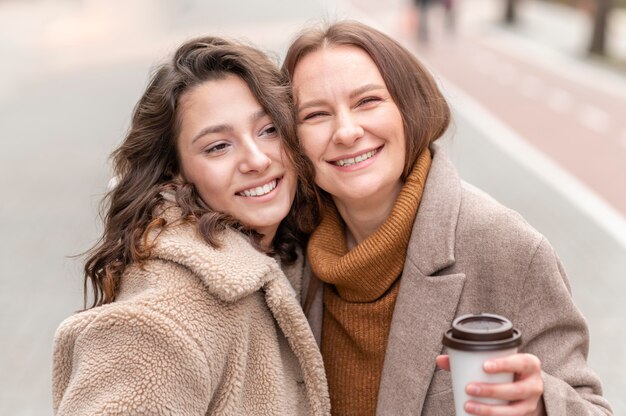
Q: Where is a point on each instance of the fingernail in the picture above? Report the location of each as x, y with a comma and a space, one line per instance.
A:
473, 389
471, 407
490, 365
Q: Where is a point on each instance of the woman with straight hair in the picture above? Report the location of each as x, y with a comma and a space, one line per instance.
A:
405, 246
192, 313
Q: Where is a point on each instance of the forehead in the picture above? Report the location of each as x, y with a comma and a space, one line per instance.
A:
216, 91
226, 102
343, 64
219, 100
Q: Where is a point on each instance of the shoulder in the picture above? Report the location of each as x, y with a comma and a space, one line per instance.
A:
161, 301
131, 323
464, 208
484, 221
458, 223
113, 358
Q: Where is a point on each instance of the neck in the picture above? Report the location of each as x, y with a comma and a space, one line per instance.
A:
268, 235
364, 217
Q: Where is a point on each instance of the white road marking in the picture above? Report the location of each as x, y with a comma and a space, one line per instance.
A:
560, 100
594, 118
557, 63
506, 73
484, 62
531, 86
561, 181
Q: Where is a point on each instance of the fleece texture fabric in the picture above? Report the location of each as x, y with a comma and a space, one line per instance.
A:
194, 331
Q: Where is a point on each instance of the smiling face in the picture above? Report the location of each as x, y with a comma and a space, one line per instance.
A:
231, 152
349, 126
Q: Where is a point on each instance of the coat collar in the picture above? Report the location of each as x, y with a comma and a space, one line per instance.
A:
231, 272
431, 247
236, 270
428, 298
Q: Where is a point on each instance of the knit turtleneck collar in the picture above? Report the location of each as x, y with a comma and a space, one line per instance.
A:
364, 273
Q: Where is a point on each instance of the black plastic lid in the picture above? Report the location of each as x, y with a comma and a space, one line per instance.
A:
482, 332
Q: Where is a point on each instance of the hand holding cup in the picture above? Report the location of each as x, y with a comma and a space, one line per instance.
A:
524, 394
489, 377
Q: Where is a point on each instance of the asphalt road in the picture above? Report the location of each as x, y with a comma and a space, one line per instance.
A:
71, 75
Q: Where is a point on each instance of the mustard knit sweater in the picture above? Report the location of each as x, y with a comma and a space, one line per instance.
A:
362, 286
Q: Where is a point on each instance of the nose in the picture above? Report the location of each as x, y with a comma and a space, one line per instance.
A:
254, 159
347, 129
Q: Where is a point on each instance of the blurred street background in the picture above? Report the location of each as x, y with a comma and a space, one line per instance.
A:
538, 90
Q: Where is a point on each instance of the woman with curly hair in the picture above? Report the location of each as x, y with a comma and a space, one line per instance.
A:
196, 277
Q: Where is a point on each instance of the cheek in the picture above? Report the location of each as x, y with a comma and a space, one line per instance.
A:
290, 172
399, 123
312, 148
211, 183
293, 184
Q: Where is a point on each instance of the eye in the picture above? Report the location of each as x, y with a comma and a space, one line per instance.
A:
368, 100
217, 148
314, 115
269, 130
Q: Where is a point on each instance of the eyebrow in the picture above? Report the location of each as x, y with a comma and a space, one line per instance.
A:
354, 93
219, 128
366, 88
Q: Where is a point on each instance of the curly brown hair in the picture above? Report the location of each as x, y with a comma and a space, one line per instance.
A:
147, 164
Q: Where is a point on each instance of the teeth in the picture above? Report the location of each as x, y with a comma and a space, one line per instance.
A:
259, 190
358, 159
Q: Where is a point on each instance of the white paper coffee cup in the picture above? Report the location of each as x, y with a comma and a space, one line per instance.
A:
472, 340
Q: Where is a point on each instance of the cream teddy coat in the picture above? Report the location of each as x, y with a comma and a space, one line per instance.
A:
196, 331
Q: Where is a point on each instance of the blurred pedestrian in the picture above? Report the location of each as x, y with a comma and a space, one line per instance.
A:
450, 15
424, 10
422, 21
191, 316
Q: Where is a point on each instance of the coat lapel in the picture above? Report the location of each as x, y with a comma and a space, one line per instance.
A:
284, 304
221, 270
312, 302
424, 309
428, 299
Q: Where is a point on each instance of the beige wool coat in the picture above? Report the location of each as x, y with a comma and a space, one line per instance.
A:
196, 331
469, 254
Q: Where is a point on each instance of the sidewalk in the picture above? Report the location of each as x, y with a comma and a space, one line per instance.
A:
575, 105
567, 30
549, 32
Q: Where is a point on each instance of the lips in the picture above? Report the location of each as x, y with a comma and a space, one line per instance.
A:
356, 159
260, 190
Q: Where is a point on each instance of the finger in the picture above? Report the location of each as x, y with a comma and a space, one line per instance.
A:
511, 409
527, 389
521, 364
443, 362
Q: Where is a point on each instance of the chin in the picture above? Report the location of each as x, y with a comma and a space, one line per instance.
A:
266, 222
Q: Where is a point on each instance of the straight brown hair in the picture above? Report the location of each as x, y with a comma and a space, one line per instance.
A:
425, 112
